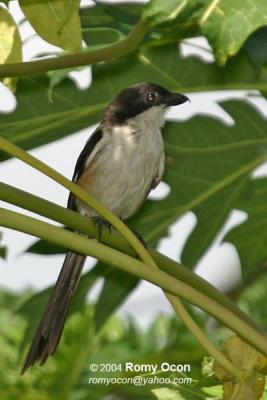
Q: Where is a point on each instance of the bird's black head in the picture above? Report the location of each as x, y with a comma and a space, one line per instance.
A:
139, 98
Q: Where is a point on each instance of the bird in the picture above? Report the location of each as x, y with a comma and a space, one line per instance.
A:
122, 161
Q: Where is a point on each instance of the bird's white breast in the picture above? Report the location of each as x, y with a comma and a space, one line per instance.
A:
129, 159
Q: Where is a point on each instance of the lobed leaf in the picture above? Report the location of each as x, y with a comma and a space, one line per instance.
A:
40, 119
159, 11
107, 15
228, 24
207, 166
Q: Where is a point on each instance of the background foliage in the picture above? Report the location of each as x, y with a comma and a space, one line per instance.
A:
209, 170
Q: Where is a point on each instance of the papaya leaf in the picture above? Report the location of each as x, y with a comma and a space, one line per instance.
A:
205, 160
40, 119
159, 11
228, 24
122, 16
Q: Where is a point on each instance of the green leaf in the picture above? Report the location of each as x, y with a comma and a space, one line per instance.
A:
38, 119
10, 43
167, 394
210, 219
158, 11
56, 21
121, 16
228, 24
43, 247
250, 238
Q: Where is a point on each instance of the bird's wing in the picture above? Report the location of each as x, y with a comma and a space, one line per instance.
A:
84, 159
159, 174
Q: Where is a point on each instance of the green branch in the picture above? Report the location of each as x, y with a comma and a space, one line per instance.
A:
78, 59
80, 244
143, 253
83, 225
202, 338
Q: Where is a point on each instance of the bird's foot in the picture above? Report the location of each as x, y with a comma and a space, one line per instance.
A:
101, 223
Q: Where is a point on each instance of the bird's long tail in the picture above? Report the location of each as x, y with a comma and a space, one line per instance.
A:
50, 328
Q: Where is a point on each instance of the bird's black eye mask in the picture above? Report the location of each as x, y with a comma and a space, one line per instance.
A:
135, 100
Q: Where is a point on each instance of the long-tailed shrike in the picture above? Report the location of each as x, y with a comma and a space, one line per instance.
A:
119, 165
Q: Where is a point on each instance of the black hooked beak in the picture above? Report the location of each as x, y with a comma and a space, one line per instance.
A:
174, 99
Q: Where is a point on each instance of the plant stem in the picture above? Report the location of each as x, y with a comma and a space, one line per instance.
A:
143, 253
202, 339
80, 244
82, 224
78, 59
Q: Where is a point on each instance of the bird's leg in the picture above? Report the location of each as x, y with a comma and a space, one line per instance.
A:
101, 223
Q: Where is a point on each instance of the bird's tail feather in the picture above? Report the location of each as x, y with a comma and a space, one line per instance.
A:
51, 325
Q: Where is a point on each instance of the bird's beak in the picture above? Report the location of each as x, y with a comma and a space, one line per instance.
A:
174, 99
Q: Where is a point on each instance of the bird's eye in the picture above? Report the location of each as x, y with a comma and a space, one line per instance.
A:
151, 97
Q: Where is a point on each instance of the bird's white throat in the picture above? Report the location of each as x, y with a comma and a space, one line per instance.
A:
151, 119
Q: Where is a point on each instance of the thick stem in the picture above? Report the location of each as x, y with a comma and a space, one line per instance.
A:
82, 224
202, 339
13, 195
80, 244
178, 306
78, 59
